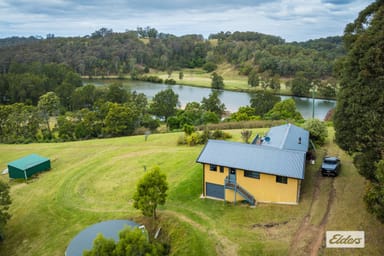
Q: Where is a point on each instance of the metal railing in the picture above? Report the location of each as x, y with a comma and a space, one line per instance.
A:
228, 184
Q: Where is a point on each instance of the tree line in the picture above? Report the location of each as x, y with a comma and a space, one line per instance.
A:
47, 102
105, 53
360, 109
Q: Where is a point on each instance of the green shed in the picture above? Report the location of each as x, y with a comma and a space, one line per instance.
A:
27, 166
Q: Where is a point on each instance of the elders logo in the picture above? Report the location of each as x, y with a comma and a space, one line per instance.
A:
345, 239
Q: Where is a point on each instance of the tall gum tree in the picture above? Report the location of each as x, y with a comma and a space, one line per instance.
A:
360, 108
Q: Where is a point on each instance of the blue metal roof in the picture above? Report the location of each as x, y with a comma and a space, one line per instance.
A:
259, 158
289, 137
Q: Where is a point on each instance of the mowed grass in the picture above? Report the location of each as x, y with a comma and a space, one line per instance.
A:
199, 77
92, 181
348, 211
232, 79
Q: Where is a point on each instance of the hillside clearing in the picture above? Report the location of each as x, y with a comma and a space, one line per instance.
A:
94, 180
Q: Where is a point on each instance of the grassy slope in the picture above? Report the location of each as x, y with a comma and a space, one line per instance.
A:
94, 180
232, 79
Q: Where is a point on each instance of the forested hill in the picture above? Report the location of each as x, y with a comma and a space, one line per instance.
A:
105, 52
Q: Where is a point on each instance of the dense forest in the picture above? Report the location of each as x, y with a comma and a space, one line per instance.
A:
105, 52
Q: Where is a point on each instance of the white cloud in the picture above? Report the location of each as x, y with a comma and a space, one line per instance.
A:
291, 19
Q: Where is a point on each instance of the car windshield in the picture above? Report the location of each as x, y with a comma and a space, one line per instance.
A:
330, 161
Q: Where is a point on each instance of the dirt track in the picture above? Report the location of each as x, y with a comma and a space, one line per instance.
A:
309, 237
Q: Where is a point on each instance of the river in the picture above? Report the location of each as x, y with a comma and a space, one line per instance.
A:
232, 100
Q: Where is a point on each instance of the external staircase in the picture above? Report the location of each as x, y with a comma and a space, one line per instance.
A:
229, 184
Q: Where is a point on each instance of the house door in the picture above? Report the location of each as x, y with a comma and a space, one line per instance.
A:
232, 175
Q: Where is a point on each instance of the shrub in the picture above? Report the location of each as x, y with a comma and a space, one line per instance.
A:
188, 129
317, 130
220, 135
170, 81
196, 138
209, 67
193, 139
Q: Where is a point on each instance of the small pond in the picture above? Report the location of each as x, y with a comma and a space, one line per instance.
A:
84, 240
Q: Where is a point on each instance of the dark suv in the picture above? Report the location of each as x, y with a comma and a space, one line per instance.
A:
330, 166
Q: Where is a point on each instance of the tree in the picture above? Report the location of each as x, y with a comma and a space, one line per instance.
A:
5, 201
209, 117
374, 198
360, 108
217, 81
131, 242
284, 110
117, 93
253, 78
101, 247
317, 130
102, 32
84, 97
48, 106
19, 123
274, 83
328, 89
209, 67
120, 120
164, 103
151, 192
213, 104
244, 114
263, 101
300, 85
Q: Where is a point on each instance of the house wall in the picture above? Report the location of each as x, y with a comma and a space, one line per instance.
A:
215, 177
265, 189
230, 196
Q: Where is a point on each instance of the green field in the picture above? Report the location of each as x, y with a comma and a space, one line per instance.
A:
92, 181
232, 79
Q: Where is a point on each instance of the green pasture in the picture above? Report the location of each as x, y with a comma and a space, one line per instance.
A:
92, 181
232, 79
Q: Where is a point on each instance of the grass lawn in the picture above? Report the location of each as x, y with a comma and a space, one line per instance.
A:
92, 181
232, 79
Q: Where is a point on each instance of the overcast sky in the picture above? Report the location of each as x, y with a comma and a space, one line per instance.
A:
293, 20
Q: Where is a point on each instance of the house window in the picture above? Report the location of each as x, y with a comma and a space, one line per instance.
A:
221, 168
251, 174
282, 179
213, 167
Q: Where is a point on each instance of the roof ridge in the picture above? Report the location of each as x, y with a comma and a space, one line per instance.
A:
264, 147
285, 136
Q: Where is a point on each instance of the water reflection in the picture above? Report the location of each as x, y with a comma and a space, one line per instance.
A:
232, 100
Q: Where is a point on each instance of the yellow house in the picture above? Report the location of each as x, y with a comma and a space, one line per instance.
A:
269, 170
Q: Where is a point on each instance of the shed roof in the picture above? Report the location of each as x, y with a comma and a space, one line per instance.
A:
289, 137
259, 158
28, 161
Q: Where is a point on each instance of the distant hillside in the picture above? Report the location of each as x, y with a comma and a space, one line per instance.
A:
108, 53
14, 41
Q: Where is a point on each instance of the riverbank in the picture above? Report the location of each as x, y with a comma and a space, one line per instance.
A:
199, 78
232, 99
